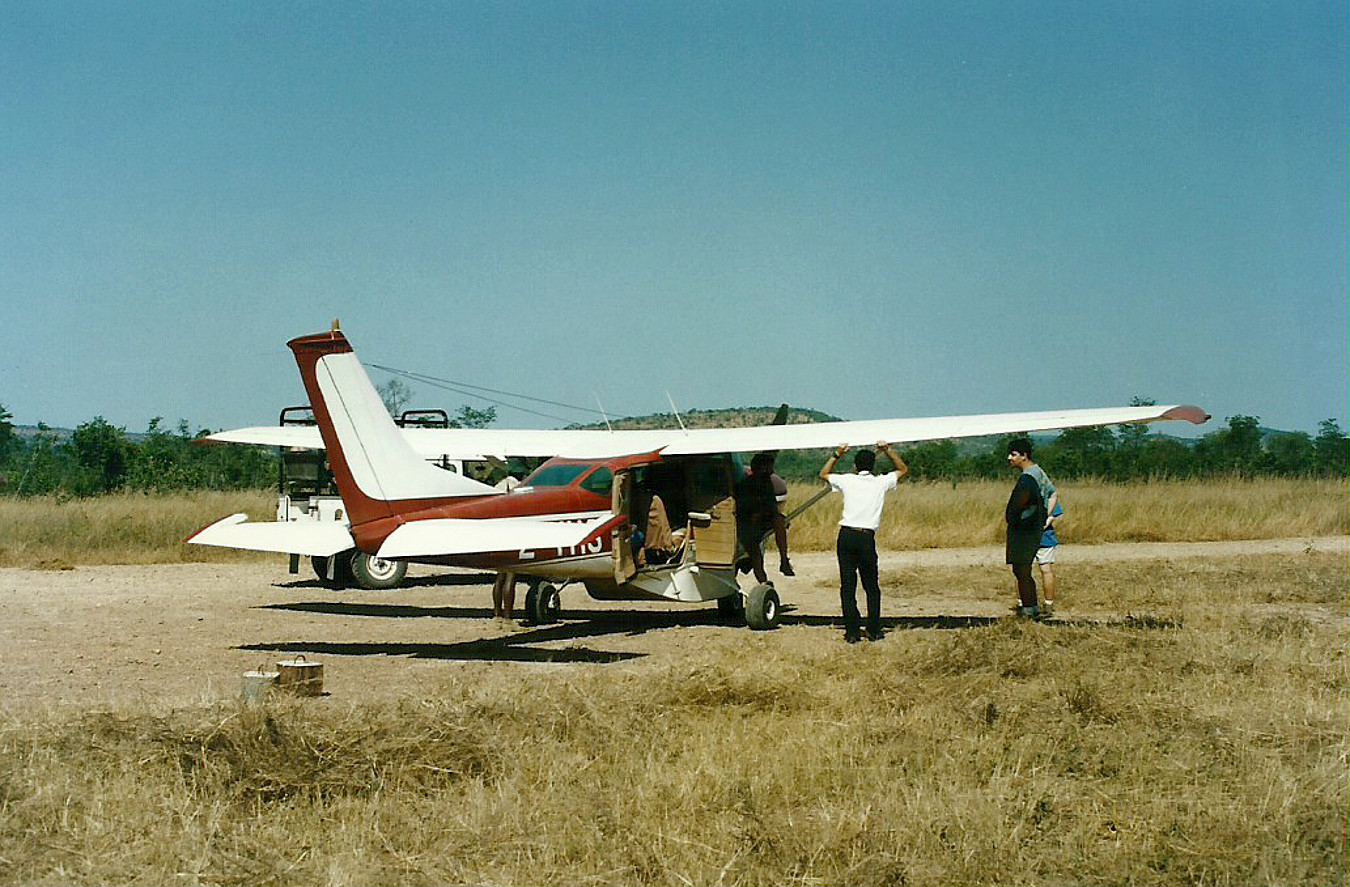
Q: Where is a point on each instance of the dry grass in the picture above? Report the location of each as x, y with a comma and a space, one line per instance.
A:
1199, 738
134, 528
943, 515
142, 529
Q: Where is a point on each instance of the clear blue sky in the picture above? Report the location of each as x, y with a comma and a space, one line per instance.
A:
872, 209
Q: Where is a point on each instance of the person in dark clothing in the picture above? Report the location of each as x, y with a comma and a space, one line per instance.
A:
780, 527
756, 510
1025, 515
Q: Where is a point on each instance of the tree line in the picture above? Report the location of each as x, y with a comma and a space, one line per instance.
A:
1127, 452
99, 457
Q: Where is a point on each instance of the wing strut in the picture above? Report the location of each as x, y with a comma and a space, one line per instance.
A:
676, 411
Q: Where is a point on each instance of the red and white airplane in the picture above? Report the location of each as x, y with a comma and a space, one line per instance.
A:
628, 514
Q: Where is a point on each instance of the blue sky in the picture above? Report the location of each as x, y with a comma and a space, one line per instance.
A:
872, 209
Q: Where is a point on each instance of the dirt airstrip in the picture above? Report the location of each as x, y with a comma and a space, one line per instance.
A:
183, 634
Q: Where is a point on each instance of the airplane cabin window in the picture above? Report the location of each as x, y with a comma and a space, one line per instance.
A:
601, 481
710, 482
555, 475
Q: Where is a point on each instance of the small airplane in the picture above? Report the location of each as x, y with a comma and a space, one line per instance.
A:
630, 515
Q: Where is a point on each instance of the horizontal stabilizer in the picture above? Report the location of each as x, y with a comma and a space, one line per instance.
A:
299, 537
440, 536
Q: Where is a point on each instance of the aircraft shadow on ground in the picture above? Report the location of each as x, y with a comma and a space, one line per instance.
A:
520, 646
507, 649
443, 580
514, 647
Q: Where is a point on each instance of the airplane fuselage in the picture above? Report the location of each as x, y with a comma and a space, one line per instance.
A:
694, 494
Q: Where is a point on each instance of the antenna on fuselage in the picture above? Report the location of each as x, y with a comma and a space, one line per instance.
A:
602, 411
676, 411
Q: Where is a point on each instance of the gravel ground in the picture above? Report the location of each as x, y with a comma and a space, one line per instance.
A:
183, 634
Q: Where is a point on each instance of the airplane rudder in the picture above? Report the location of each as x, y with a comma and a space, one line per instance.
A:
362, 505
319, 344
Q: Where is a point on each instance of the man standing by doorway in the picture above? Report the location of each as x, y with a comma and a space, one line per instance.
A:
864, 496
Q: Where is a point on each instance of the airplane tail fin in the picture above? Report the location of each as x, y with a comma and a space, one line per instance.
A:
377, 472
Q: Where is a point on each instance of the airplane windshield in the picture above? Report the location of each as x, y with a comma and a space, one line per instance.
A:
556, 475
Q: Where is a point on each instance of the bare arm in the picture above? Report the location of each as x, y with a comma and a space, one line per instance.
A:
901, 469
1050, 508
828, 468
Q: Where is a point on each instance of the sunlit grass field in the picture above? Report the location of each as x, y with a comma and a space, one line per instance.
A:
1199, 737
134, 528
942, 515
142, 529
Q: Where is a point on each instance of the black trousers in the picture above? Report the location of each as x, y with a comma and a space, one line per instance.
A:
857, 551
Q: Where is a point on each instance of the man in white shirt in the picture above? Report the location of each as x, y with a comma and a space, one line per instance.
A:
864, 496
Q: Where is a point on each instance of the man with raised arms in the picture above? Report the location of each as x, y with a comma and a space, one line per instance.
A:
864, 496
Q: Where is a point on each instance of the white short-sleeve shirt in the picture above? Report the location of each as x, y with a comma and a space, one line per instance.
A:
864, 496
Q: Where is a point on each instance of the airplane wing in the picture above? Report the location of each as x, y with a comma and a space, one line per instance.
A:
588, 444
301, 537
821, 435
307, 437
475, 443
443, 536
469, 443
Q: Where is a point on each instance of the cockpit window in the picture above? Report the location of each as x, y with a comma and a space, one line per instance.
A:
601, 481
555, 475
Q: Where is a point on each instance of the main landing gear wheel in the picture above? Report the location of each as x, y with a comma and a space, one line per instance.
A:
761, 608
543, 604
356, 568
377, 573
341, 566
732, 607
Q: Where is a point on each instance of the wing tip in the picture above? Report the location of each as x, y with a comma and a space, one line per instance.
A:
1188, 413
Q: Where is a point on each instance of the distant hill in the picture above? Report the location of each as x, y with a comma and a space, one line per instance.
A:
731, 417
28, 433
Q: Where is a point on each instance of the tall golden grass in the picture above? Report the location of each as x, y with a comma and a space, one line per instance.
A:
942, 515
146, 528
1200, 739
134, 528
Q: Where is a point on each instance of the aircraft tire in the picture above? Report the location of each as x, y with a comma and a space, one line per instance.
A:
342, 570
376, 573
732, 607
762, 608
543, 604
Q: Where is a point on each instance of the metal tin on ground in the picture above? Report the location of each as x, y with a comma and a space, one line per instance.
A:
257, 684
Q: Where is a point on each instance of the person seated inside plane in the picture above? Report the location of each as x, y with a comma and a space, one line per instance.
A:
667, 481
662, 544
